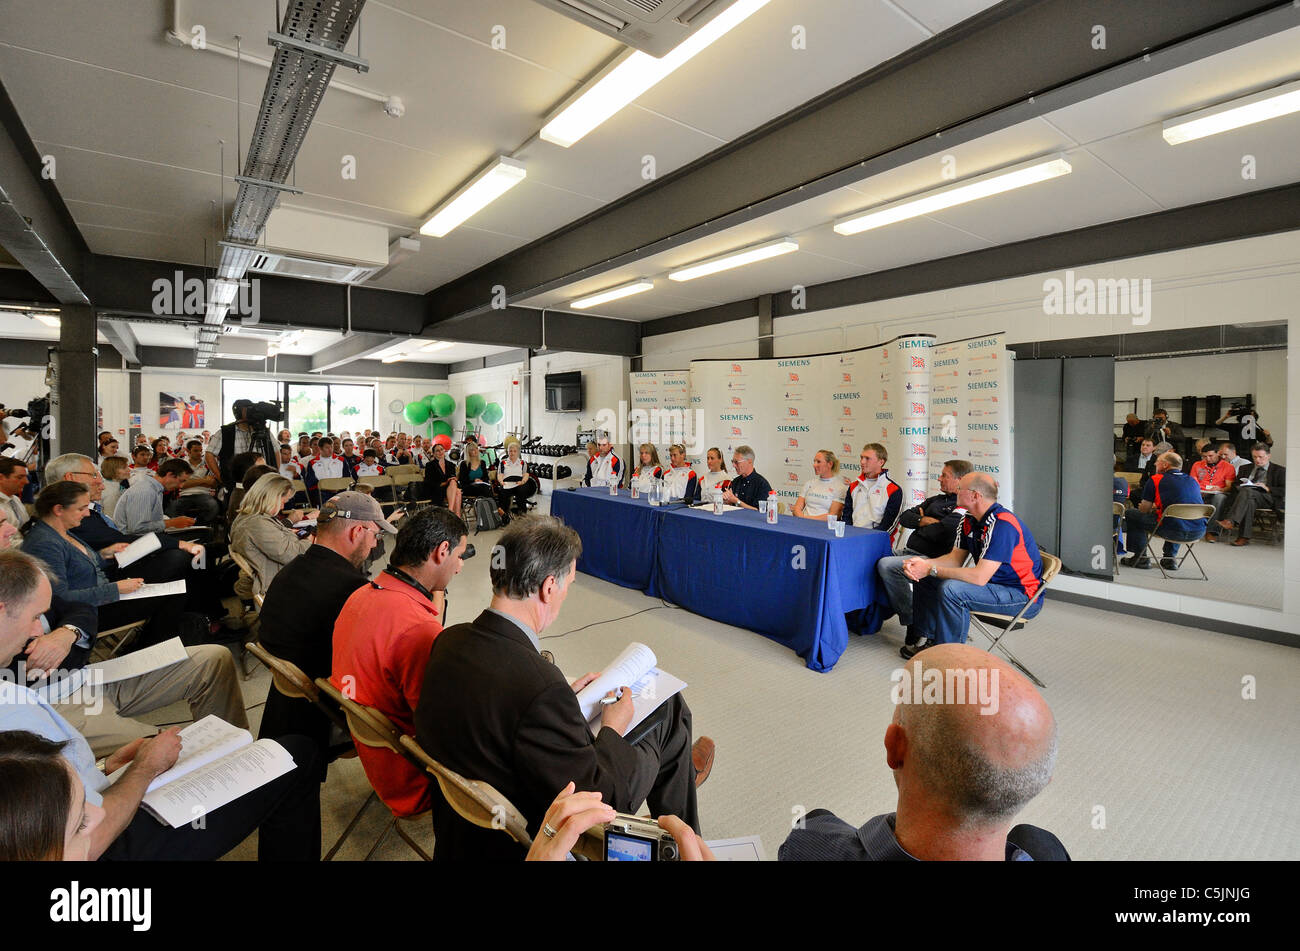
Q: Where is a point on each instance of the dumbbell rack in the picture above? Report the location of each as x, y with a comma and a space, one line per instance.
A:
554, 462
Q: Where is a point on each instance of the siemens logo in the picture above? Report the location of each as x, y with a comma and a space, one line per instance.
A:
990, 427
792, 429
976, 344
990, 385
993, 469
846, 396
913, 344
946, 363
944, 438
913, 430
794, 363
884, 416
943, 399
737, 417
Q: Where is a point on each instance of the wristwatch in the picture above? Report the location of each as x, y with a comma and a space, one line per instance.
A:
934, 571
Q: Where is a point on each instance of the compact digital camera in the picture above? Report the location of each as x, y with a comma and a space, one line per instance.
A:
630, 839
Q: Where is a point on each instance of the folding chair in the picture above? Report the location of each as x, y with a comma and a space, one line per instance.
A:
1270, 520
370, 727
247, 569
378, 482
1118, 509
111, 643
1186, 511
1018, 621
407, 485
475, 801
341, 484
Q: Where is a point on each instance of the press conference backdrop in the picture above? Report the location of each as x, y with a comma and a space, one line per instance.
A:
788, 408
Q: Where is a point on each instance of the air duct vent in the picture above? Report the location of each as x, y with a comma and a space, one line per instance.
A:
652, 26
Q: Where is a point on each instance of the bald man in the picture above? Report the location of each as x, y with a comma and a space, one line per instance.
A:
1004, 575
970, 744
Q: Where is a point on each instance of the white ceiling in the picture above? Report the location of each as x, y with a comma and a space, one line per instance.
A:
1122, 167
136, 128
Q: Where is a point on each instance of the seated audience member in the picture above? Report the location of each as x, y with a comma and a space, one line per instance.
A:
140, 507
205, 679
873, 499
1228, 453
716, 479
382, 640
285, 811
284, 437
113, 470
260, 537
419, 453
44, 813
1005, 575
645, 475
162, 451
1215, 477
747, 488
1169, 486
963, 773
680, 480
288, 468
440, 486
198, 493
934, 525
13, 480
494, 708
350, 457
141, 459
821, 496
302, 604
323, 465
400, 454
514, 484
1134, 430
1119, 485
78, 571
605, 468
108, 450
474, 477
1261, 486
303, 453
369, 465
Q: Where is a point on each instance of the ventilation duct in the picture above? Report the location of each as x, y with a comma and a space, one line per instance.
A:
652, 26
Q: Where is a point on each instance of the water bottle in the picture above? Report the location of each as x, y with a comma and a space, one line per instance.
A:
771, 507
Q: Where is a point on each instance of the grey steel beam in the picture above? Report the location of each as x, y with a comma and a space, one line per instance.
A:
122, 338
348, 350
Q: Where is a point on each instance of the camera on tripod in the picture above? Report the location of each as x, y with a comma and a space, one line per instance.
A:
259, 414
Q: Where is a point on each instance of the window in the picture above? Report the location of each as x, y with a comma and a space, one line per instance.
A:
312, 407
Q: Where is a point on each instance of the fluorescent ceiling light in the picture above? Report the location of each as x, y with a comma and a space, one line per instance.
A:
614, 293
436, 345
625, 82
958, 193
394, 358
501, 175
1269, 104
759, 252
48, 320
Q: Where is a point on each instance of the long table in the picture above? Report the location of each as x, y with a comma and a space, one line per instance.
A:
793, 582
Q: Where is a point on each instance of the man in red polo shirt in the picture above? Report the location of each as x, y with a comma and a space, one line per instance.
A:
383, 636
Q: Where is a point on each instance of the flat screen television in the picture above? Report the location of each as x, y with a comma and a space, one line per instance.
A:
564, 392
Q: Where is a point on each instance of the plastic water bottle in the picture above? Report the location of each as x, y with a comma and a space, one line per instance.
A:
771, 507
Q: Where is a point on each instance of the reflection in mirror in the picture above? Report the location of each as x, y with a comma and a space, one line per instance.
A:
1200, 486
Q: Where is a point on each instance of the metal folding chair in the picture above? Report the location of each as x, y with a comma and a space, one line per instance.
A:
1008, 622
1184, 511
1118, 509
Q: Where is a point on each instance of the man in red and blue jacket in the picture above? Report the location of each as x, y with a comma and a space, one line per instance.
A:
1169, 486
1006, 573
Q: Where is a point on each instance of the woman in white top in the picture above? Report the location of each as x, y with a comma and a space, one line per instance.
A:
513, 482
717, 477
649, 470
825, 494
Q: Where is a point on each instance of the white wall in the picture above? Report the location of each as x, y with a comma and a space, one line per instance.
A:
504, 385
604, 383
1251, 281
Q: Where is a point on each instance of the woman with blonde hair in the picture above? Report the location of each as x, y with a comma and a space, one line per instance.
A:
823, 495
649, 470
259, 537
680, 480
717, 477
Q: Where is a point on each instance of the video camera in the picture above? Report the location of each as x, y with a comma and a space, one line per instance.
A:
258, 414
1241, 409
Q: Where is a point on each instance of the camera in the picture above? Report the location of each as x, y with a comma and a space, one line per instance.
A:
259, 414
1240, 409
630, 839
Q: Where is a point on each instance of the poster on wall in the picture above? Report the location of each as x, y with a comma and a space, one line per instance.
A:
180, 411
659, 410
970, 408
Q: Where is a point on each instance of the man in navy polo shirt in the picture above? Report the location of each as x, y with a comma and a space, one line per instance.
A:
1169, 486
1005, 575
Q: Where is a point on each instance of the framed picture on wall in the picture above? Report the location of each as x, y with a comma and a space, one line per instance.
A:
180, 411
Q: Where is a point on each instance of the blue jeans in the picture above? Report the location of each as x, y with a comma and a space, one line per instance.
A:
1141, 524
897, 585
943, 607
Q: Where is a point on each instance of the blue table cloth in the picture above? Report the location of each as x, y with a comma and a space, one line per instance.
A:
794, 582
619, 535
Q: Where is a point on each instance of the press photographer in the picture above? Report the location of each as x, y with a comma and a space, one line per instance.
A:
249, 433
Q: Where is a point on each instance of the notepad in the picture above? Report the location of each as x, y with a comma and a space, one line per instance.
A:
634, 668
161, 590
141, 547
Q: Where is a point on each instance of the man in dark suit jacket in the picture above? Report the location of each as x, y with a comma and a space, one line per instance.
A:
1268, 491
495, 709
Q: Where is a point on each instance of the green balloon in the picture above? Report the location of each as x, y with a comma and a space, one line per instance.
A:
474, 406
441, 427
415, 413
492, 413
444, 404
429, 402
